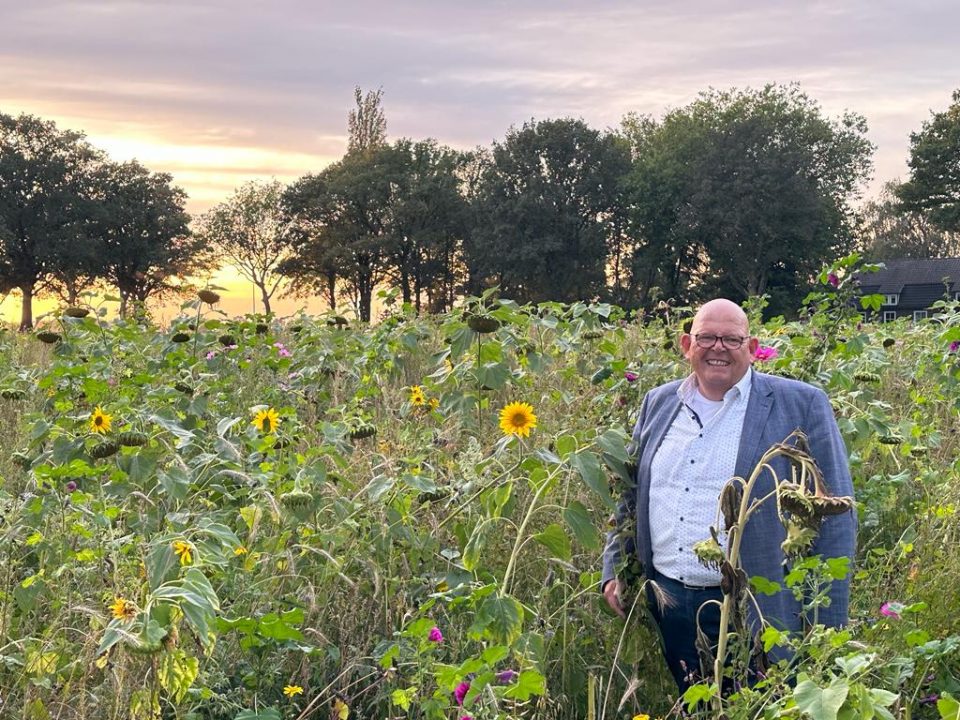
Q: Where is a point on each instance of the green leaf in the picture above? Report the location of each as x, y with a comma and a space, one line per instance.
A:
588, 465
584, 530
261, 714
494, 654
529, 683
500, 618
700, 693
614, 443
948, 707
820, 703
764, 586
555, 540
274, 627
176, 673
380, 485
474, 546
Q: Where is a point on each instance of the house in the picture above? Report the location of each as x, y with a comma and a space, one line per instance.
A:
910, 286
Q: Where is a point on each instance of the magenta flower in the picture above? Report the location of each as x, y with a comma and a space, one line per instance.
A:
466, 717
891, 610
929, 699
435, 635
954, 346
71, 486
506, 677
211, 355
460, 692
833, 279
630, 376
765, 352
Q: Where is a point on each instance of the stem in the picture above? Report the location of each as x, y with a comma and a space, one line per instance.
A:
523, 526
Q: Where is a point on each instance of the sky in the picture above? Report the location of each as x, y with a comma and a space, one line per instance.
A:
219, 92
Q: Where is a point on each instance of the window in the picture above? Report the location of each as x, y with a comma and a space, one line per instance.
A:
919, 315
956, 296
891, 299
889, 315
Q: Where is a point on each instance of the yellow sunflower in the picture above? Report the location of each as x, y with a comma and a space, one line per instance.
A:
122, 609
416, 396
240, 550
517, 418
266, 421
184, 551
100, 421
434, 403
291, 690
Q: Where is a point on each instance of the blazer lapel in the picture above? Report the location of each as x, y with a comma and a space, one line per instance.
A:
758, 410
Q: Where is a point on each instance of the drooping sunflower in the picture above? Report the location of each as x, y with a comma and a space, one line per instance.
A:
123, 609
417, 396
184, 551
518, 419
266, 421
100, 421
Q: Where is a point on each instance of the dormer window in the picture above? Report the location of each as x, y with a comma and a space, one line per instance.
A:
892, 299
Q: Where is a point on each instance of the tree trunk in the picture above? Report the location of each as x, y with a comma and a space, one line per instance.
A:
332, 290
265, 297
123, 304
26, 309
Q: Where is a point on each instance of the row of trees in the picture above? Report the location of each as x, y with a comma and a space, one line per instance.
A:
739, 193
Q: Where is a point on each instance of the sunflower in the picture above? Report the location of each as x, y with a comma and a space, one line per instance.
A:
417, 397
183, 551
122, 609
266, 421
240, 550
100, 421
291, 690
517, 418
434, 403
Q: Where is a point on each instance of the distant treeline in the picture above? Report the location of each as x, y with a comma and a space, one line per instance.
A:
740, 193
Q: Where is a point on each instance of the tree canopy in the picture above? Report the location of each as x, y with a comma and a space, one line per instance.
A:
934, 185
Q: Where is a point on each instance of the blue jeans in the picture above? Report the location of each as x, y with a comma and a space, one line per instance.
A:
678, 626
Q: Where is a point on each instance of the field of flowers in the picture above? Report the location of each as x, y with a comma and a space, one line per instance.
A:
239, 519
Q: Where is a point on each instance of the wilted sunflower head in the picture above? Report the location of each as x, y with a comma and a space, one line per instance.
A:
266, 421
100, 421
517, 418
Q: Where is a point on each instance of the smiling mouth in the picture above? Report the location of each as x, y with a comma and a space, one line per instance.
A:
718, 363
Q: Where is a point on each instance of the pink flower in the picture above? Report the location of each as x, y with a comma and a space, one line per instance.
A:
765, 352
954, 346
465, 717
71, 486
460, 692
833, 279
891, 610
506, 677
283, 352
211, 355
630, 376
435, 635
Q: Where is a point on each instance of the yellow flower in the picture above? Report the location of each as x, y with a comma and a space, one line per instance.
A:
100, 421
434, 403
641, 716
416, 396
266, 421
291, 690
183, 551
517, 418
341, 711
240, 550
122, 609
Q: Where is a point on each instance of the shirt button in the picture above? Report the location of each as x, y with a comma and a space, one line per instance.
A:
681, 518
692, 461
686, 489
680, 549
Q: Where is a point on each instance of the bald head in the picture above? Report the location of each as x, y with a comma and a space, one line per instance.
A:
721, 310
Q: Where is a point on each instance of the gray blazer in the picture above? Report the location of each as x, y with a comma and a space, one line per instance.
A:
777, 407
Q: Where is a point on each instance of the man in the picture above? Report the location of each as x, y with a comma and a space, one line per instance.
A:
692, 436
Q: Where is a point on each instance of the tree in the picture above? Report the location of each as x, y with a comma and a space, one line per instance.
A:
249, 231
540, 227
426, 222
934, 185
367, 124
746, 192
889, 231
46, 204
340, 221
145, 232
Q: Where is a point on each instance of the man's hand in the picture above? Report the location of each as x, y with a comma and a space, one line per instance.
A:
611, 593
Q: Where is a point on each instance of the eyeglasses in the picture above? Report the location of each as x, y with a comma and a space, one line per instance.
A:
729, 342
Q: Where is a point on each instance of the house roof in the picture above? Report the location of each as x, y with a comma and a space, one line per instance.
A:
929, 272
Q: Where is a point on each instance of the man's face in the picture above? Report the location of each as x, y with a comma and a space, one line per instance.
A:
717, 368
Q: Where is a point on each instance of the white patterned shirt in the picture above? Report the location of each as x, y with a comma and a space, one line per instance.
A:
696, 458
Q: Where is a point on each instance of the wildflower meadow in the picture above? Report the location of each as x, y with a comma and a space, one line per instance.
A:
249, 519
